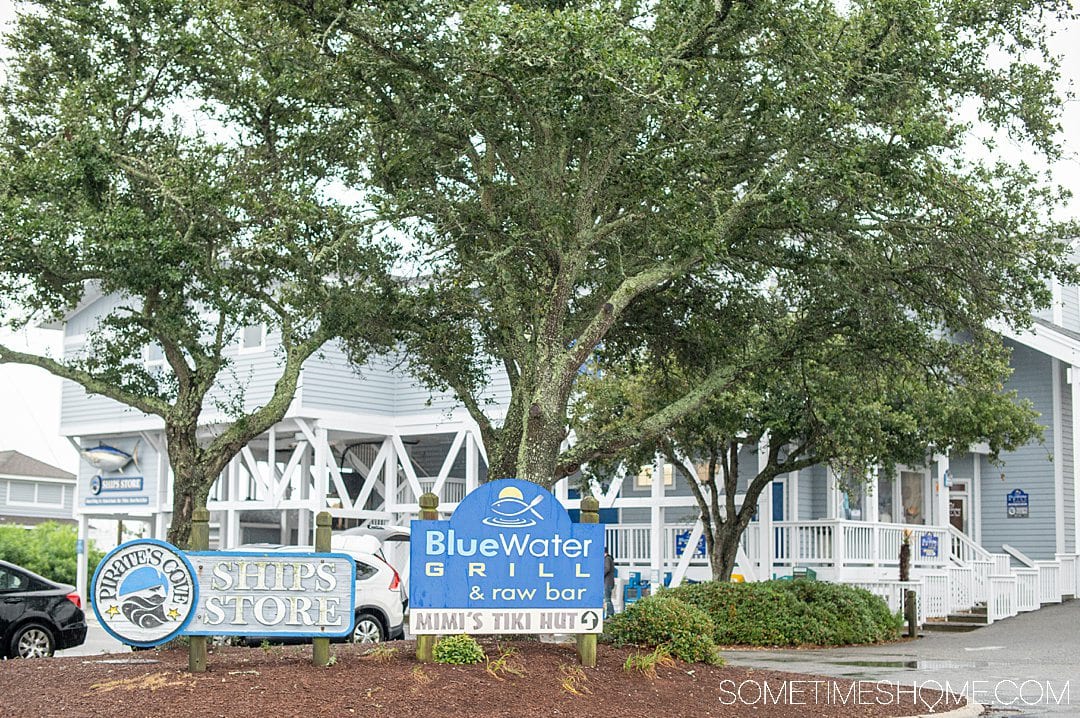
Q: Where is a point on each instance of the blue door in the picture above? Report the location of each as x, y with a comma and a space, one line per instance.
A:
779, 549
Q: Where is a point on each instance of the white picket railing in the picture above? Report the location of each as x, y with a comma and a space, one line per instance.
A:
1049, 577
1002, 564
1027, 588
961, 588
629, 543
1067, 580
935, 599
893, 592
1001, 602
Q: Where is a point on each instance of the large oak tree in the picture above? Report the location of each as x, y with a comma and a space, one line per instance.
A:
556, 164
165, 154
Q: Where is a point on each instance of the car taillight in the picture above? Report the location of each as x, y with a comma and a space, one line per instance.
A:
74, 598
395, 582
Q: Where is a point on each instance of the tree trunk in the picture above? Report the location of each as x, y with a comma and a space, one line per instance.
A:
544, 430
724, 551
191, 482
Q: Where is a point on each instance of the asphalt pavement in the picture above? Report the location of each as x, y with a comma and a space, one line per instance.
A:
1028, 665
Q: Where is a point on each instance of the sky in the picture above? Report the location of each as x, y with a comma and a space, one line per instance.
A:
30, 397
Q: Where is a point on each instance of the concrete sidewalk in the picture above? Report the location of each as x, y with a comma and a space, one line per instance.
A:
1028, 665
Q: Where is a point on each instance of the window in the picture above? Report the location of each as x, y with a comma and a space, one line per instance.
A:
911, 495
645, 474
153, 356
35, 494
11, 581
253, 338
364, 571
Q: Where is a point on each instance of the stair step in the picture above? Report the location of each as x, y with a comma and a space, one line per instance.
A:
966, 617
951, 626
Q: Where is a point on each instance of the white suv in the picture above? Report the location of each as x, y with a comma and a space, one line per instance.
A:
379, 598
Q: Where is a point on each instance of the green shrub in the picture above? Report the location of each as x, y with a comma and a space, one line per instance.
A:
791, 613
683, 630
459, 650
48, 549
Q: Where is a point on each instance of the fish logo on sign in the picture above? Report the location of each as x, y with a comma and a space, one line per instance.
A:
512, 511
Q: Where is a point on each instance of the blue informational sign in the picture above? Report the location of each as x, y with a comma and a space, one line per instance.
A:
682, 538
508, 560
80, 546
1016, 504
928, 546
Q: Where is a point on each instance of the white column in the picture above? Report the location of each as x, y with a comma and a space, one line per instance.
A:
1075, 375
81, 560
303, 514
232, 514
870, 513
1059, 456
765, 511
941, 493
976, 498
832, 495
390, 477
322, 475
472, 462
656, 523
793, 496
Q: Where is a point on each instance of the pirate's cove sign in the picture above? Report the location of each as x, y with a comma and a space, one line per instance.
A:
144, 592
147, 592
509, 560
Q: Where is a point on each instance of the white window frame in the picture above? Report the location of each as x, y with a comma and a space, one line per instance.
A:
149, 363
253, 349
36, 502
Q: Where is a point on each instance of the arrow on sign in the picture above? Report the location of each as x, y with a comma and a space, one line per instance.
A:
589, 619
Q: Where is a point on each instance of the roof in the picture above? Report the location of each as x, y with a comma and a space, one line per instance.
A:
12, 463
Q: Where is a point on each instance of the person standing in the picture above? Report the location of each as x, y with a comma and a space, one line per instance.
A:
609, 582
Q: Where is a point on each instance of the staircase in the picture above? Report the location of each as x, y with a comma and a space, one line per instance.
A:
969, 620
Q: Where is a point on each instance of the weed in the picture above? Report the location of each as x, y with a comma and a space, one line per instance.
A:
573, 679
381, 652
648, 662
506, 663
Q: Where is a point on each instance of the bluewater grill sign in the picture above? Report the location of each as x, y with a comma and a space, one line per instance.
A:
147, 592
509, 560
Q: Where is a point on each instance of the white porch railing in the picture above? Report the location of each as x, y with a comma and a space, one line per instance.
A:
1027, 588
830, 542
1049, 578
961, 588
1002, 564
1068, 577
936, 597
1001, 602
892, 592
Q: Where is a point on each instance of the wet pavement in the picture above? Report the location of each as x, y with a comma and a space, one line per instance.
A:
1028, 665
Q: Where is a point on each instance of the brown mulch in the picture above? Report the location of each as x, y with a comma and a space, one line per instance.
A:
280, 681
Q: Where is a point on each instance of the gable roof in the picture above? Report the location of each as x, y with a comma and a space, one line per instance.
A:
12, 463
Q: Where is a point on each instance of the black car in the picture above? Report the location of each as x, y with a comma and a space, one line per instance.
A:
37, 616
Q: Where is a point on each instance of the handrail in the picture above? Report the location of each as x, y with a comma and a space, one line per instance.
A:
1018, 555
958, 536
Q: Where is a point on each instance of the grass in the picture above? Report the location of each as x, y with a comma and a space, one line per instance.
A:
573, 679
647, 663
507, 663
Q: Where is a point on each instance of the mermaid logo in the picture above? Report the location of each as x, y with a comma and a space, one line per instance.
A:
512, 511
144, 592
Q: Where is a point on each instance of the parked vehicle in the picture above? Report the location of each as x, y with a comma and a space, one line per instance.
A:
380, 597
37, 616
395, 547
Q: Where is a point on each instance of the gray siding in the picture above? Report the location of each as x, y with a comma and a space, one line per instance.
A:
16, 489
813, 485
1070, 308
1029, 468
146, 466
331, 382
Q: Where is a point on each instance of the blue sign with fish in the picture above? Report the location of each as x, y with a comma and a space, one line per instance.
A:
509, 545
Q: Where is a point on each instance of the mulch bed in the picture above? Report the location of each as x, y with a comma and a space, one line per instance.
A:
280, 681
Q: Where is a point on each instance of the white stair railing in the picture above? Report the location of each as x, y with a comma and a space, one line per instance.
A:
1001, 602
1049, 581
1027, 589
1068, 578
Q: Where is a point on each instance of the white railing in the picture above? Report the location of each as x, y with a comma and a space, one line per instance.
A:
629, 543
935, 598
981, 572
1068, 578
1049, 577
961, 588
1001, 602
1027, 588
856, 543
453, 490
1002, 564
892, 592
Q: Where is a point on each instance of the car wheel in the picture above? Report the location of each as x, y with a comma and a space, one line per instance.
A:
32, 641
368, 629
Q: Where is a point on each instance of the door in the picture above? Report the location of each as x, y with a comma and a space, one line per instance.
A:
958, 513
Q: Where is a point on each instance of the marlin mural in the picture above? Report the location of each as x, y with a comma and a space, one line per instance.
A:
109, 458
